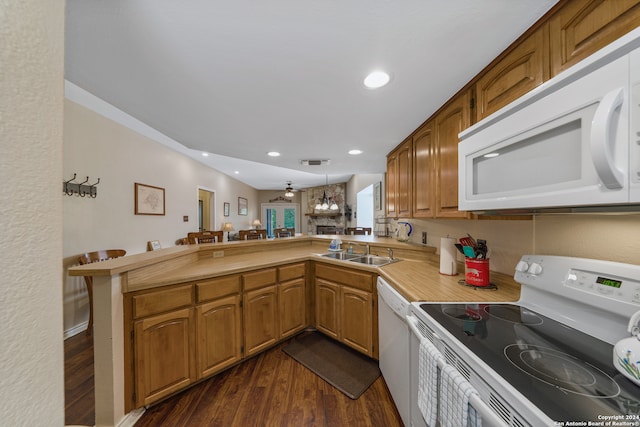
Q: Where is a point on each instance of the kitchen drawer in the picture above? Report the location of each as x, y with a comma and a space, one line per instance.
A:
160, 301
353, 278
259, 279
215, 288
290, 272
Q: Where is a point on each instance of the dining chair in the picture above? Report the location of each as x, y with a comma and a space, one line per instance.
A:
284, 232
90, 258
359, 231
205, 237
252, 234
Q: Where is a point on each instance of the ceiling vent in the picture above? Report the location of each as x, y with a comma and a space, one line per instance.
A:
314, 162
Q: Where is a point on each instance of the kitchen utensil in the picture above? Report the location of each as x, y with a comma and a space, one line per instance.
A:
481, 249
469, 252
459, 247
472, 240
626, 352
466, 241
404, 231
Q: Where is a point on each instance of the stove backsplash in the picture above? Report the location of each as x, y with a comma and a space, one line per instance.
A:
597, 236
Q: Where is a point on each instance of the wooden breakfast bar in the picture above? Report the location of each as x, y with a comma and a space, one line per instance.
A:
192, 277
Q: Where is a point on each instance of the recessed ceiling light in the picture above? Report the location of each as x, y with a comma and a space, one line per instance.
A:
236, 172
355, 152
273, 154
205, 154
376, 79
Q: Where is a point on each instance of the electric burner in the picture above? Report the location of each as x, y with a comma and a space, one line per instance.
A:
562, 370
513, 314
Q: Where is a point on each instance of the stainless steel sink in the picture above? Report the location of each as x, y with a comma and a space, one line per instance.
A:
378, 261
343, 256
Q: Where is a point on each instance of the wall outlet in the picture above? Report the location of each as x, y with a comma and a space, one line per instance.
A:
218, 254
185, 218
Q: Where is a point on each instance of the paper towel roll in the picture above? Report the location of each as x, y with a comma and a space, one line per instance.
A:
448, 256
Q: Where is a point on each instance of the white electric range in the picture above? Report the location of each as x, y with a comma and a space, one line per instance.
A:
547, 359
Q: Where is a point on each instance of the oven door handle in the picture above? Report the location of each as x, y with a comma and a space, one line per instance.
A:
412, 321
489, 416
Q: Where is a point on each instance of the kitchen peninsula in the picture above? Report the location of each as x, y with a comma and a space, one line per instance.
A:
137, 291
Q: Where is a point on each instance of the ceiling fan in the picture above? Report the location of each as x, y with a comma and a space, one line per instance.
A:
288, 191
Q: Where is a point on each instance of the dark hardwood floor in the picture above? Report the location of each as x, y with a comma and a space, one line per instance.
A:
270, 389
79, 406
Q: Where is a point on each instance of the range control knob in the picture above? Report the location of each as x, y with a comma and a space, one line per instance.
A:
522, 266
535, 268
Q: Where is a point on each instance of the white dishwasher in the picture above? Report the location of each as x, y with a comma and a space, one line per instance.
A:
394, 335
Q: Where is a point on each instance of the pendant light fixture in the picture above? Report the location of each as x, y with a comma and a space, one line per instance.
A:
326, 203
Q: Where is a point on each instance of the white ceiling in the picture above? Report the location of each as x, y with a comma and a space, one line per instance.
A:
240, 78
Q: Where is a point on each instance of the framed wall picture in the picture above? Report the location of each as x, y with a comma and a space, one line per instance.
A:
227, 207
149, 200
243, 206
377, 195
153, 245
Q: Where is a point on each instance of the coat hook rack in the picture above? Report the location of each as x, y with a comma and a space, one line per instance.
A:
81, 189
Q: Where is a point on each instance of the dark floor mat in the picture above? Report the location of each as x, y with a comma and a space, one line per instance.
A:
345, 369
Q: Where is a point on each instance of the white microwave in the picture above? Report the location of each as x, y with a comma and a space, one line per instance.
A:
572, 142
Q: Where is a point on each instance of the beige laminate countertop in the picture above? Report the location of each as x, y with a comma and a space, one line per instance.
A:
417, 279
422, 281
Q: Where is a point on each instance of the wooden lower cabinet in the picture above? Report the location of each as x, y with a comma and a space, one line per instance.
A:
291, 307
274, 311
260, 319
219, 325
165, 355
328, 308
183, 333
346, 308
356, 311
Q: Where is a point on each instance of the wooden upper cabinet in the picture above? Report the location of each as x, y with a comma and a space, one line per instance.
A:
520, 71
405, 187
399, 180
581, 27
391, 185
423, 172
449, 122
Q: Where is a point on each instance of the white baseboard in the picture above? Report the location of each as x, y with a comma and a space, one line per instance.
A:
131, 418
75, 330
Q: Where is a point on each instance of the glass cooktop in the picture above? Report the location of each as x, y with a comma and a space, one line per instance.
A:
566, 373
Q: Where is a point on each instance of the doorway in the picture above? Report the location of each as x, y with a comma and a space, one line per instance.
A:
206, 210
364, 205
280, 215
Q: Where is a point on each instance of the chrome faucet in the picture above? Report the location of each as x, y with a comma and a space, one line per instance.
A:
390, 253
366, 245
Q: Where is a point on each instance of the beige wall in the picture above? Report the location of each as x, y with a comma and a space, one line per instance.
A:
98, 147
605, 236
31, 94
358, 183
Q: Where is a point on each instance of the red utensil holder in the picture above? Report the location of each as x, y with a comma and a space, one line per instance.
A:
476, 272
